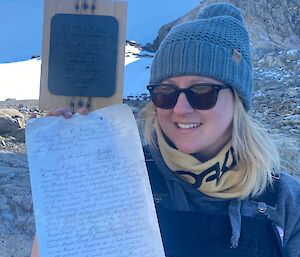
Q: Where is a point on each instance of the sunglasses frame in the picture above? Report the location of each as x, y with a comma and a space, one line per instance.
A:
187, 91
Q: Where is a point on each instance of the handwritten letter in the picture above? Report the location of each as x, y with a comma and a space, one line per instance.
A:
90, 187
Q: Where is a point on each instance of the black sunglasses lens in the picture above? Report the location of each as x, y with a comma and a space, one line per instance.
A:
164, 96
202, 97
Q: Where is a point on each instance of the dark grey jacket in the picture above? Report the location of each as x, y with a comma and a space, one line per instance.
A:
285, 210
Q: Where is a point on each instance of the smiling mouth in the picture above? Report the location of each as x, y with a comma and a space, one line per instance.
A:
187, 125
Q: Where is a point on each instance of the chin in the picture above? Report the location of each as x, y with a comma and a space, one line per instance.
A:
188, 149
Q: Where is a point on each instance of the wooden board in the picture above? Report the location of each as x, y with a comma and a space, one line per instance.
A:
114, 8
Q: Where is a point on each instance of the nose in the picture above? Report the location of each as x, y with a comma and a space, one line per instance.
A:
182, 105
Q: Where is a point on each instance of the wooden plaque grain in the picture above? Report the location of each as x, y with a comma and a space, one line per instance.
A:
115, 8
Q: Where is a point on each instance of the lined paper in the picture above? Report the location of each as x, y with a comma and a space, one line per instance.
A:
90, 187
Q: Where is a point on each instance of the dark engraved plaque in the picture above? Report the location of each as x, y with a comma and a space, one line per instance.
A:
83, 55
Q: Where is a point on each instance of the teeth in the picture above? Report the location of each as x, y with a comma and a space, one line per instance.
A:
187, 126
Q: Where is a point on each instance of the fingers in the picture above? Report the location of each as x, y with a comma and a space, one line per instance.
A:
65, 112
35, 251
83, 111
32, 116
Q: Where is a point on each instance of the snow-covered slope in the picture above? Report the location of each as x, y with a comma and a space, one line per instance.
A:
20, 80
21, 23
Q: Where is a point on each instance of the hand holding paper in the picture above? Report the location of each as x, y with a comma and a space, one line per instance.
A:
90, 187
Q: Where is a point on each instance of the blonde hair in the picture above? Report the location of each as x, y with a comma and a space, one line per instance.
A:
253, 145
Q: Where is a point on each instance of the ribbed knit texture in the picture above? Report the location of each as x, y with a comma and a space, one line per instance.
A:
214, 45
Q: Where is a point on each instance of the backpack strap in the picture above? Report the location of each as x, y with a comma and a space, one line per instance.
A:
270, 196
157, 180
160, 190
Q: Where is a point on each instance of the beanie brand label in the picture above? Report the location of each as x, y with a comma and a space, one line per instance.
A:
236, 56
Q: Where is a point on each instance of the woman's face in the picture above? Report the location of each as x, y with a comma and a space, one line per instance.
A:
198, 131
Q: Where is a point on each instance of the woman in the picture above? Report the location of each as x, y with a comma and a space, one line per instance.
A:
213, 169
218, 166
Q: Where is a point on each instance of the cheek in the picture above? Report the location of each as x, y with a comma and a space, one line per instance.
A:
225, 112
221, 116
163, 117
160, 115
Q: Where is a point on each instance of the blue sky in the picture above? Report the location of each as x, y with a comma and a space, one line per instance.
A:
22, 21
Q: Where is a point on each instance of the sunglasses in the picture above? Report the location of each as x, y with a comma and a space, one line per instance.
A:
200, 96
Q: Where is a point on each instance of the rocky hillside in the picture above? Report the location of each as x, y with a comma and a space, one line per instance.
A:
273, 25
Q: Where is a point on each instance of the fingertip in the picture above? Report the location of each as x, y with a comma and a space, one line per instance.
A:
83, 111
50, 113
32, 116
67, 115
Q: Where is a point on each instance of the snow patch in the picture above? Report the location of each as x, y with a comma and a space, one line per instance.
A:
292, 52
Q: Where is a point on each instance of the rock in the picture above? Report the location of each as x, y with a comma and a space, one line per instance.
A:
293, 121
272, 24
10, 99
24, 110
19, 135
16, 216
15, 246
34, 109
11, 120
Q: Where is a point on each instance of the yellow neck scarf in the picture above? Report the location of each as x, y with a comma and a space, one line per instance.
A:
218, 177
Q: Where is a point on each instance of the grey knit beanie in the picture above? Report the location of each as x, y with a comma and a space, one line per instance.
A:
214, 45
